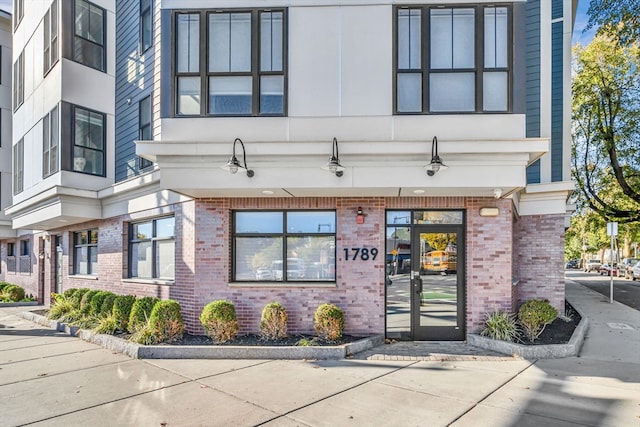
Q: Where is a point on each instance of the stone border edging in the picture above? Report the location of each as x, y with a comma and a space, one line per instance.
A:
138, 351
549, 351
19, 304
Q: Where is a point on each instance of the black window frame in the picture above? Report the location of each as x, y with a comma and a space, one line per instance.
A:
91, 247
79, 39
18, 82
74, 145
284, 235
51, 38
146, 17
18, 167
205, 75
51, 142
153, 239
145, 128
479, 67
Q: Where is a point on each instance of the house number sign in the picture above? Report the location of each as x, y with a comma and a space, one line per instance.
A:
362, 254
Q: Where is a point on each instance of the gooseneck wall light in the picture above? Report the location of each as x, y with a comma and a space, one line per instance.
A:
333, 165
436, 162
233, 165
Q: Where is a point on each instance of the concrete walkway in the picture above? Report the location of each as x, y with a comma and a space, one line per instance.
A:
51, 379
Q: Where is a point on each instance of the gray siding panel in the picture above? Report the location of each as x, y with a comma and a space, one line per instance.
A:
557, 90
556, 9
134, 80
533, 80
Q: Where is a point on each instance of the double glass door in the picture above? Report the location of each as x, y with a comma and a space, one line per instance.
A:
425, 283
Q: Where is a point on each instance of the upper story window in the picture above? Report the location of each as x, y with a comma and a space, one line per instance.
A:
146, 28
88, 141
18, 167
144, 127
243, 72
18, 12
18, 82
50, 53
452, 60
89, 35
284, 246
85, 252
152, 249
50, 139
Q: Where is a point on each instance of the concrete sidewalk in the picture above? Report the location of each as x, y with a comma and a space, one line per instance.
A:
51, 379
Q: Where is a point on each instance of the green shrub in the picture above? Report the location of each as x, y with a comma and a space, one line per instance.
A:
96, 302
140, 312
12, 293
166, 321
107, 325
85, 302
273, 322
534, 315
501, 325
60, 305
122, 310
4, 285
218, 318
76, 298
69, 292
328, 321
144, 335
107, 304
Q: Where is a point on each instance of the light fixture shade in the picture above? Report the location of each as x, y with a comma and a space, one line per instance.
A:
436, 163
233, 164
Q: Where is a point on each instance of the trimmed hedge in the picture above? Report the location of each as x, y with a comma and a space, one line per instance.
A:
328, 321
140, 313
218, 318
122, 310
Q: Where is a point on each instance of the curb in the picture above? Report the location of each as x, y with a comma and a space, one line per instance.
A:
138, 351
19, 304
550, 351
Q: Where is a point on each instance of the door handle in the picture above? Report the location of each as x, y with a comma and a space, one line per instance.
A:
417, 284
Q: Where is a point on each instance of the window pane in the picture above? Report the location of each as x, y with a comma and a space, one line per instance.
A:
141, 259
311, 258
188, 43
93, 237
230, 95
82, 238
495, 37
438, 217
441, 39
93, 260
259, 222
142, 231
258, 258
311, 222
88, 161
89, 129
271, 94
189, 95
398, 217
230, 42
452, 92
494, 91
452, 38
81, 260
409, 34
95, 33
409, 92
165, 259
464, 38
88, 53
271, 41
165, 227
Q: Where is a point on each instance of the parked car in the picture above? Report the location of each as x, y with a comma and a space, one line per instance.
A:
592, 265
607, 270
263, 273
572, 264
635, 271
626, 265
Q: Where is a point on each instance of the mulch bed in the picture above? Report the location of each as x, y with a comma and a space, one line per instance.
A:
559, 331
256, 340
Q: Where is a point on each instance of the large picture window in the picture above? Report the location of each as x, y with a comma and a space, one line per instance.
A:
50, 138
152, 249
243, 73
452, 60
85, 252
284, 246
88, 141
89, 35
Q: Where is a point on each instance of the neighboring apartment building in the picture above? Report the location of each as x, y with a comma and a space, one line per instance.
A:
6, 230
446, 126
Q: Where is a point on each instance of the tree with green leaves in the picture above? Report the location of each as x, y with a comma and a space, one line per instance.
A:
606, 128
617, 18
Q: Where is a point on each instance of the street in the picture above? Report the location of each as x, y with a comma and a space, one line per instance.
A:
625, 291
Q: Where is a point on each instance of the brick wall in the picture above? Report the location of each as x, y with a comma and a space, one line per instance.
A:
541, 259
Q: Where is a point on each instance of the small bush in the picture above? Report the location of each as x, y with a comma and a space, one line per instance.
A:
85, 302
501, 325
140, 312
273, 322
60, 305
166, 321
69, 292
3, 285
12, 293
534, 315
122, 310
96, 302
219, 320
328, 321
107, 304
144, 335
76, 298
107, 325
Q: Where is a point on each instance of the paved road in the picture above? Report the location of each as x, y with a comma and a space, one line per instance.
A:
625, 291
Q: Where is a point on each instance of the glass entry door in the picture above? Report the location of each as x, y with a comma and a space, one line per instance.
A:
437, 284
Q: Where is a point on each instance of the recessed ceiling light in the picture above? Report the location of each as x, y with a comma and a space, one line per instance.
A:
418, 191
267, 192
